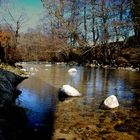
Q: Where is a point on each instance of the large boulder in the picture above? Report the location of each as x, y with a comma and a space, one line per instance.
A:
68, 90
8, 83
110, 102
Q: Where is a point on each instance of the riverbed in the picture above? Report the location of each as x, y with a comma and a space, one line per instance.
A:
80, 117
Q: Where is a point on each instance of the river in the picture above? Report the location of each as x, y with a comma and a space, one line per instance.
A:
80, 117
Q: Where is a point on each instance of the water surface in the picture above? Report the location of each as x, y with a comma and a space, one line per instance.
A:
80, 117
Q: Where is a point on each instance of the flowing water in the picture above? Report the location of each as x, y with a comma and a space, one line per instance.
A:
81, 117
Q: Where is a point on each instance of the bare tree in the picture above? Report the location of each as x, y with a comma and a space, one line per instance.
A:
93, 19
105, 22
54, 10
104, 17
85, 20
15, 18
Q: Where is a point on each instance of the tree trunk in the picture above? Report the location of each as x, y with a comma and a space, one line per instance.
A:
93, 20
105, 31
85, 21
136, 17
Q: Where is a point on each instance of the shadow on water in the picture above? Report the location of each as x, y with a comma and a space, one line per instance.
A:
39, 100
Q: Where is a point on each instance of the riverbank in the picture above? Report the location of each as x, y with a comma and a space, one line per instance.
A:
12, 118
9, 79
94, 64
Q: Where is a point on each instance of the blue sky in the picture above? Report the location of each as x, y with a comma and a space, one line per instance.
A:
33, 10
30, 9
32, 3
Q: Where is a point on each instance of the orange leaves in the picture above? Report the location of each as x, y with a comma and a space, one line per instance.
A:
4, 38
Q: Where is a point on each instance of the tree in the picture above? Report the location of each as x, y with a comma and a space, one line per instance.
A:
90, 23
136, 17
14, 17
54, 11
85, 20
104, 17
93, 16
4, 42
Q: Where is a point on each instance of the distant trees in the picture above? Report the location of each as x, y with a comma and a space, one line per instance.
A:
107, 14
70, 20
11, 22
91, 29
13, 17
103, 15
106, 21
39, 47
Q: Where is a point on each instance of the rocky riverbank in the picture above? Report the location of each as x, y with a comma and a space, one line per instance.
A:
12, 118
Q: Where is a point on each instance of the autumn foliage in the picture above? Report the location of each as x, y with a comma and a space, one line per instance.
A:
4, 38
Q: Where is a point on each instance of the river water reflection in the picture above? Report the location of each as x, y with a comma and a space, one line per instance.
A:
80, 117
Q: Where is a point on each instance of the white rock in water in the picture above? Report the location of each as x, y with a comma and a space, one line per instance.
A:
111, 101
72, 70
69, 91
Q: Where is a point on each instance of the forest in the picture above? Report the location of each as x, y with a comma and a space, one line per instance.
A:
83, 31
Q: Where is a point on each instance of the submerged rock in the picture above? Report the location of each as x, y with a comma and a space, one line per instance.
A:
122, 128
68, 90
129, 125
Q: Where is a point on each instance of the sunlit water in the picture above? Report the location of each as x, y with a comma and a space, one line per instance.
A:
46, 112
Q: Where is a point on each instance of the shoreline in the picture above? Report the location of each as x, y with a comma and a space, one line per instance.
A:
13, 119
73, 63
